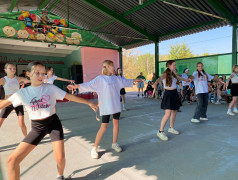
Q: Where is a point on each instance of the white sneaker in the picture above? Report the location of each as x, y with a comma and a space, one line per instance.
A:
217, 102
203, 119
195, 120
230, 113
162, 136
235, 111
212, 101
116, 147
124, 109
94, 153
173, 131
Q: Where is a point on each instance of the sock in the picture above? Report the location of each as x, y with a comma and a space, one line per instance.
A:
123, 105
161, 131
229, 110
59, 176
235, 109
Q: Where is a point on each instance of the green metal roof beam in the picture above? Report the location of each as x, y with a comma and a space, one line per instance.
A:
44, 4
119, 18
192, 27
14, 2
191, 9
220, 7
126, 13
132, 44
53, 5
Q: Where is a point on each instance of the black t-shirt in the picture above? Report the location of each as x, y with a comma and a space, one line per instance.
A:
149, 87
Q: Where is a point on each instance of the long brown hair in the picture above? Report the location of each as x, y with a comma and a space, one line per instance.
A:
169, 74
117, 72
199, 73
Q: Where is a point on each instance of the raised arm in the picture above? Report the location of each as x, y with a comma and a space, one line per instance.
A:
77, 99
4, 103
63, 79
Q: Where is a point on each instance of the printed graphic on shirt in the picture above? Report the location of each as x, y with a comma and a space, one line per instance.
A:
202, 78
40, 103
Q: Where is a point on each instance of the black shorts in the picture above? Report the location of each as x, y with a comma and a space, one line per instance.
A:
122, 91
40, 128
105, 118
7, 110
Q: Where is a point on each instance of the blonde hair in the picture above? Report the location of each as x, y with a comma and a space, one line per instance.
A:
234, 67
7, 64
104, 64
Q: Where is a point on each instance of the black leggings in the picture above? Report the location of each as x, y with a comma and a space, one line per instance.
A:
40, 128
186, 93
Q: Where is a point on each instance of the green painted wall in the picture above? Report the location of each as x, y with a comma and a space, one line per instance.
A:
61, 65
215, 64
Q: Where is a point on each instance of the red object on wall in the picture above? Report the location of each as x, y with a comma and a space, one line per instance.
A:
92, 59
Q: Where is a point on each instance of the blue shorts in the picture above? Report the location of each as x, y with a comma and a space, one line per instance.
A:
140, 85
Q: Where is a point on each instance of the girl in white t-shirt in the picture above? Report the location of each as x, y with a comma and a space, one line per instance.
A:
234, 91
50, 77
11, 84
201, 78
107, 86
39, 100
171, 101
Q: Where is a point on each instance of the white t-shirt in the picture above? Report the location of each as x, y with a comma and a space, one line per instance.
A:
39, 101
234, 77
50, 80
173, 85
201, 85
185, 76
108, 90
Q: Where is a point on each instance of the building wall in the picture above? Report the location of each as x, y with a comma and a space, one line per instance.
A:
61, 65
92, 59
215, 64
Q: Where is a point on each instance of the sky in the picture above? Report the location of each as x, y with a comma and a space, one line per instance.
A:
213, 41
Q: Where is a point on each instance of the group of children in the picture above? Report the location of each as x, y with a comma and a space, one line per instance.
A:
39, 100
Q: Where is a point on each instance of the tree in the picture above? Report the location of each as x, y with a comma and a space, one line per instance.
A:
180, 51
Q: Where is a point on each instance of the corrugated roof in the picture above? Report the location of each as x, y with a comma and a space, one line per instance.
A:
162, 18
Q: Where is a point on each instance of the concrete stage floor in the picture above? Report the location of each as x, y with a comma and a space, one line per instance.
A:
205, 151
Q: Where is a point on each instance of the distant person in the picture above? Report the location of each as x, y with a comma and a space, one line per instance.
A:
201, 78
170, 102
122, 91
186, 89
234, 91
140, 85
23, 74
50, 77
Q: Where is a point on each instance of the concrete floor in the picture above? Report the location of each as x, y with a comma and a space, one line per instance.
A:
205, 151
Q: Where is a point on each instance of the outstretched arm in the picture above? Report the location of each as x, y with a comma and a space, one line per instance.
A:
77, 99
159, 80
63, 79
4, 103
24, 80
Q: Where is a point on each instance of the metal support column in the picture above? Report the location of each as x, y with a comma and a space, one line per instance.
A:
120, 59
157, 58
234, 44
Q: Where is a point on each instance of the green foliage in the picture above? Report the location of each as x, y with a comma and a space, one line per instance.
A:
180, 51
134, 63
